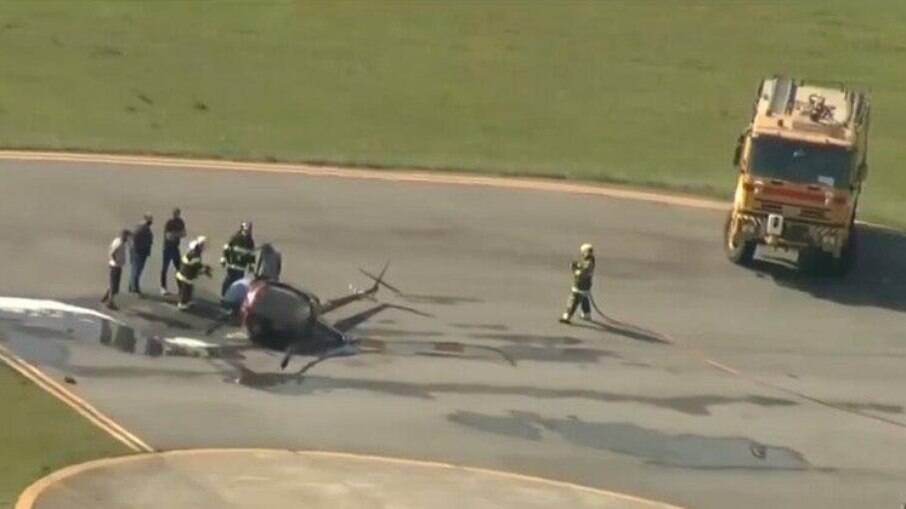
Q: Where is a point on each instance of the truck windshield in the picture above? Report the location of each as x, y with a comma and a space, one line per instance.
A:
800, 162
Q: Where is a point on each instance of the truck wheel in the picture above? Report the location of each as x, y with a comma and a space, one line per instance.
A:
814, 261
807, 260
740, 252
844, 264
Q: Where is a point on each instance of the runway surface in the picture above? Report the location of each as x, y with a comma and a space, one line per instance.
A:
710, 386
241, 478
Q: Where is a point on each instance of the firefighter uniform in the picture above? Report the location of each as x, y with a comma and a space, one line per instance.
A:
190, 267
583, 271
238, 256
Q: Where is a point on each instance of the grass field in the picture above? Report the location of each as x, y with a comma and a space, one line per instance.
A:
38, 435
644, 92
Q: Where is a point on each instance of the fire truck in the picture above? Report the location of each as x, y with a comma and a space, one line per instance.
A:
802, 162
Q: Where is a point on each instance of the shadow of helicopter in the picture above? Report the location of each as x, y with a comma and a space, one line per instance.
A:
414, 298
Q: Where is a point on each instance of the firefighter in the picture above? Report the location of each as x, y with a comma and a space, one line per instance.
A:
583, 271
190, 267
238, 256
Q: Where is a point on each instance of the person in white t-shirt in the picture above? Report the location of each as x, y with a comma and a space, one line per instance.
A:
116, 261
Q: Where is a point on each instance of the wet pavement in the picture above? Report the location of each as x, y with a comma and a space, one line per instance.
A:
467, 364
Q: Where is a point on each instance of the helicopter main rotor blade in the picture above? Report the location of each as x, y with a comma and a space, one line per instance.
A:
379, 280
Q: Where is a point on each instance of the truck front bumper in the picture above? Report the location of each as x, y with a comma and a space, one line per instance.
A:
776, 230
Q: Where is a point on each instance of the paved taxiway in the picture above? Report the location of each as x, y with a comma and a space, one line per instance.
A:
814, 417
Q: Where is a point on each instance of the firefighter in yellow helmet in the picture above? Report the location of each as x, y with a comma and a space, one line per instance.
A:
583, 270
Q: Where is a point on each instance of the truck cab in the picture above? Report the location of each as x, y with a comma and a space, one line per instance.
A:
802, 162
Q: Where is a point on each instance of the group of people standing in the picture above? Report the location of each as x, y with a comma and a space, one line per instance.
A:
238, 258
243, 262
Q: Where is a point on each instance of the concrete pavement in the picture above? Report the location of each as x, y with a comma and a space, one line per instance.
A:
813, 417
240, 478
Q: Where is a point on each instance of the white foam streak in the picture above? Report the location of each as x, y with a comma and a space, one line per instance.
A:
44, 307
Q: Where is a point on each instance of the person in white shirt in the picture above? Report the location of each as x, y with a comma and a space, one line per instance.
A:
116, 261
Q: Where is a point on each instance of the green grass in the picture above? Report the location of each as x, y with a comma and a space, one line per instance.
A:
38, 435
644, 92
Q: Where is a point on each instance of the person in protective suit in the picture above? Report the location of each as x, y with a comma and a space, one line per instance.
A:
190, 267
238, 256
583, 271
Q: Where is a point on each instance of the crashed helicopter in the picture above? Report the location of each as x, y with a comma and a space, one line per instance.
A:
281, 317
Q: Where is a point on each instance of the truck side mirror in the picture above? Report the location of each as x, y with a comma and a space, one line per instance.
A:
737, 154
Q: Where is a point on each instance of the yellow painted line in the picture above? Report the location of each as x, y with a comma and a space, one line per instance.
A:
491, 472
30, 496
73, 401
413, 176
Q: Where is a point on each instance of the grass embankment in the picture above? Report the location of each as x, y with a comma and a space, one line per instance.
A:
640, 92
38, 435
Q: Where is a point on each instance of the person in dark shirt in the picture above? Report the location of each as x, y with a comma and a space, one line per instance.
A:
140, 250
174, 231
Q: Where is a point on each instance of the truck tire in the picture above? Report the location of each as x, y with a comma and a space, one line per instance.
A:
843, 265
816, 262
738, 252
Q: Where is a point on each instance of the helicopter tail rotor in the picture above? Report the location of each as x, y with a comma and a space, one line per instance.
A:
379, 281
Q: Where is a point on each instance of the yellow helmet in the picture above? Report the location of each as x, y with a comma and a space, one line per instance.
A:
586, 249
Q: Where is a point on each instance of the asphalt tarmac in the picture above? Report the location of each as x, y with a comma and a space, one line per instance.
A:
246, 478
708, 385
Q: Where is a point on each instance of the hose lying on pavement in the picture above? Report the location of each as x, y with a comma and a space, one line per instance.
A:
628, 327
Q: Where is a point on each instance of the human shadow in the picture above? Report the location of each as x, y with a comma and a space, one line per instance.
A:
878, 278
624, 329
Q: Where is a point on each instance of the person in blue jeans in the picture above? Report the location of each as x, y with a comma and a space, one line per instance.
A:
140, 250
174, 231
235, 295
